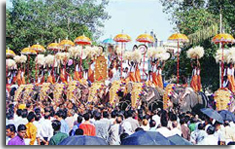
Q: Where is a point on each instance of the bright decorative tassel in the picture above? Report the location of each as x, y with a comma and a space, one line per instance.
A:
10, 63
40, 59
218, 56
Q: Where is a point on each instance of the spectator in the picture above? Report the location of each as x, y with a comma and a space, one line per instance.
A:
10, 132
101, 127
58, 135
38, 126
129, 121
10, 118
24, 117
228, 133
31, 130
46, 129
19, 138
70, 119
114, 133
145, 125
198, 134
75, 127
184, 128
210, 139
79, 132
163, 129
87, 127
152, 125
60, 116
175, 130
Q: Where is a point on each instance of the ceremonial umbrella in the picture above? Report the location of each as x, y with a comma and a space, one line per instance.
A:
123, 38
146, 138
223, 39
82, 40
54, 47
177, 37
28, 51
39, 49
66, 44
213, 114
83, 140
108, 41
145, 38
9, 53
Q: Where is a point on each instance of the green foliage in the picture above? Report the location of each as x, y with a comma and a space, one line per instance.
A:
43, 21
199, 19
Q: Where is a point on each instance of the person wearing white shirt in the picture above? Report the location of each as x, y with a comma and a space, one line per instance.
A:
38, 125
46, 131
175, 130
210, 139
114, 134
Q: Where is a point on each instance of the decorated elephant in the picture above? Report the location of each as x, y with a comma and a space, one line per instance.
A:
185, 98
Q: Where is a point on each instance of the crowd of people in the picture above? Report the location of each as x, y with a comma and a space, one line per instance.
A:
30, 125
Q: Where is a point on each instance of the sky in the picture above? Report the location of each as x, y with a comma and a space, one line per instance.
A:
134, 17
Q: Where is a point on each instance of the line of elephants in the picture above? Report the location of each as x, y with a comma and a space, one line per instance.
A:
182, 98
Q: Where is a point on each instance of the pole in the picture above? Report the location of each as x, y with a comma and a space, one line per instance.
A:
121, 59
28, 69
222, 65
220, 45
178, 62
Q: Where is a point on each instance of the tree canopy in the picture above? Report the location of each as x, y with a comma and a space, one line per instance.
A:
43, 21
199, 20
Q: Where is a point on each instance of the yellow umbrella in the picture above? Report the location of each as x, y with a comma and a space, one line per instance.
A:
177, 37
66, 43
38, 48
54, 47
82, 40
10, 53
223, 39
28, 51
122, 38
146, 38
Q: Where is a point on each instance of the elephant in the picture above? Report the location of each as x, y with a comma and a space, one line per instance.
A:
186, 99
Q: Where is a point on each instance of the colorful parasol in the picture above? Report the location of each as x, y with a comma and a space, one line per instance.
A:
83, 40
223, 39
177, 37
38, 48
28, 51
145, 38
108, 41
9, 53
66, 44
54, 47
123, 38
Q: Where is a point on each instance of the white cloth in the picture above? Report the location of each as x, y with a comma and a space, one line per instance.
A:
46, 129
209, 140
146, 128
38, 125
126, 126
194, 72
156, 118
70, 121
230, 71
10, 122
132, 69
154, 69
77, 67
175, 131
114, 137
164, 131
159, 72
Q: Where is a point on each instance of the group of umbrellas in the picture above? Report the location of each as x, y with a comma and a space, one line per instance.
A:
123, 39
138, 138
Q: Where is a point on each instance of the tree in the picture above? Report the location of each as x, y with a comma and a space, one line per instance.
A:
199, 19
45, 21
